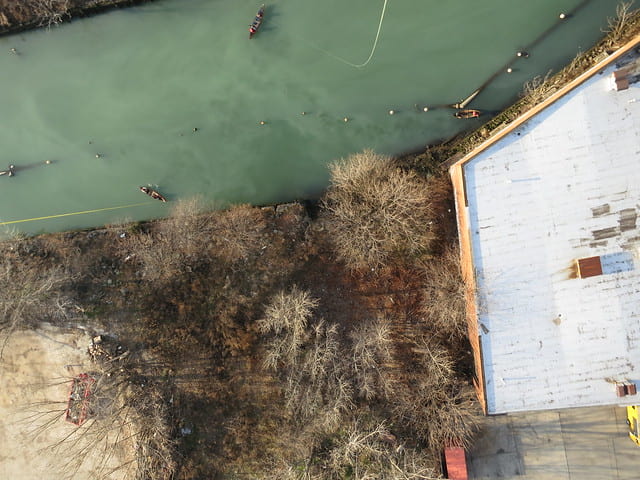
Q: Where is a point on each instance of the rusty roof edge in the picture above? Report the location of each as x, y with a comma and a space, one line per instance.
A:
468, 275
552, 99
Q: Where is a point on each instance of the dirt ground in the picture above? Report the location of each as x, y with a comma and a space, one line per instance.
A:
35, 440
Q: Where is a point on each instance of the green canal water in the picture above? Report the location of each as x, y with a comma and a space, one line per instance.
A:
132, 85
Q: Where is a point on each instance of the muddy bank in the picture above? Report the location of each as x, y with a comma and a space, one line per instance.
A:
30, 14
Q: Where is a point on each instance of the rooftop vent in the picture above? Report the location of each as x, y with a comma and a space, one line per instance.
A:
620, 80
625, 388
589, 267
605, 264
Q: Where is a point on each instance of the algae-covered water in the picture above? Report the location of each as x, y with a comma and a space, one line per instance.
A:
171, 94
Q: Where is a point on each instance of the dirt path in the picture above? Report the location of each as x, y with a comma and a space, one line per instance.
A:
35, 440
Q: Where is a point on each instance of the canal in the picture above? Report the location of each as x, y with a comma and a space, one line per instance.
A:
172, 94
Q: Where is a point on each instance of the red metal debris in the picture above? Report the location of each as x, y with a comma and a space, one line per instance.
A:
79, 396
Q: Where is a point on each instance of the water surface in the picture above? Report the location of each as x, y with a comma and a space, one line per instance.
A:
133, 84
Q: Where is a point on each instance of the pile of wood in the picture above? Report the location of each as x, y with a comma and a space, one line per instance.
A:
104, 349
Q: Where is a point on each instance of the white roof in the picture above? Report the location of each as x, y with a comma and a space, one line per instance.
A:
564, 185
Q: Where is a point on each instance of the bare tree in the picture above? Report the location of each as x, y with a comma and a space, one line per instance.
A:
287, 317
440, 409
238, 232
376, 210
50, 12
444, 304
371, 346
173, 246
127, 415
318, 387
364, 451
29, 295
307, 356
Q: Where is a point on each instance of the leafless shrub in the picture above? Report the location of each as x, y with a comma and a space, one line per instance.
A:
444, 295
376, 210
617, 26
434, 404
151, 431
50, 12
186, 228
174, 245
307, 356
371, 344
237, 232
539, 88
129, 416
368, 453
317, 387
287, 317
127, 433
29, 295
190, 237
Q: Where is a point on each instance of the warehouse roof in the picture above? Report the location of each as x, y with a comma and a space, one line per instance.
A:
549, 236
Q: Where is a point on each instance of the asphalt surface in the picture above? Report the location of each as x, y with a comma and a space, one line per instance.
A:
572, 444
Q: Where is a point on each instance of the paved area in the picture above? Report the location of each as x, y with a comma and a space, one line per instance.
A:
571, 444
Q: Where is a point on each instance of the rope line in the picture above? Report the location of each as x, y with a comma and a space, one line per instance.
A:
373, 49
74, 213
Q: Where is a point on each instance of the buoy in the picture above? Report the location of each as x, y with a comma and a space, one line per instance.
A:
262, 122
195, 129
346, 119
425, 109
509, 70
391, 112
562, 16
523, 54
303, 113
98, 155
48, 162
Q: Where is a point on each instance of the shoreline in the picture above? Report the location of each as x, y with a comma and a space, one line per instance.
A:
536, 91
437, 156
78, 9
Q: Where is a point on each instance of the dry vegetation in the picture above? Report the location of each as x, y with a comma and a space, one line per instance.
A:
18, 15
254, 345
32, 289
620, 29
263, 343
376, 210
260, 342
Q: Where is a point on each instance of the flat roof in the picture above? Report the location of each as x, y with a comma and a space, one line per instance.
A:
558, 187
